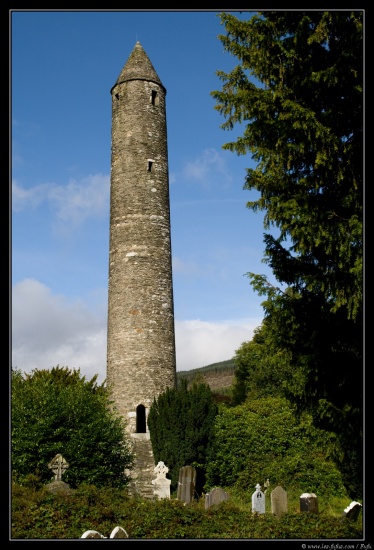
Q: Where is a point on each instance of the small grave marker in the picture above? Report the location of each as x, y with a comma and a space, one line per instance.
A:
352, 511
278, 501
258, 500
215, 496
309, 503
58, 465
117, 533
186, 484
161, 485
91, 534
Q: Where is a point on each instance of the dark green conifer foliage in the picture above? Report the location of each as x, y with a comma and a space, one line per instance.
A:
297, 96
59, 411
180, 422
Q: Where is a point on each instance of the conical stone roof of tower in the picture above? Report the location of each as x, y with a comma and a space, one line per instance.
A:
138, 67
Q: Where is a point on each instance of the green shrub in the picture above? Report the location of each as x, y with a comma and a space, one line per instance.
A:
58, 411
262, 439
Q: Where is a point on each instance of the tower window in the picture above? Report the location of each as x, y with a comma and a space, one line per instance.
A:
155, 100
140, 419
117, 96
150, 164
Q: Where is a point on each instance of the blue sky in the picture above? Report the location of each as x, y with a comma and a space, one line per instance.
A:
63, 65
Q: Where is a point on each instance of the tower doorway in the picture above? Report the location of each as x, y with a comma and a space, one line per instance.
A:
141, 424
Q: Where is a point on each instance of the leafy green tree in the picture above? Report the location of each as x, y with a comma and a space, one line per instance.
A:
180, 422
59, 411
246, 359
259, 372
262, 439
297, 95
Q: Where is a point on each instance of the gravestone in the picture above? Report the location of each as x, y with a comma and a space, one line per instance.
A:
117, 533
161, 485
186, 484
215, 496
352, 511
58, 465
309, 503
258, 500
278, 501
91, 534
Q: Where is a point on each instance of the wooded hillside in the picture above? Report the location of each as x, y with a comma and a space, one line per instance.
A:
217, 375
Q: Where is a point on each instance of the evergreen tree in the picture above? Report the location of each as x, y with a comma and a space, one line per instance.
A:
298, 95
59, 411
260, 372
180, 423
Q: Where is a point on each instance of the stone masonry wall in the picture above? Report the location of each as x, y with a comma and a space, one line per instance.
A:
141, 348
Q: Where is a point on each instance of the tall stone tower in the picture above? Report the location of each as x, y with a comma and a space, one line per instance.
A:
141, 347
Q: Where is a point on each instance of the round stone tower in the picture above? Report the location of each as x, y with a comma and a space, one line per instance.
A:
141, 347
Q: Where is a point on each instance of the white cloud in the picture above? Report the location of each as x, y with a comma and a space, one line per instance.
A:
181, 266
48, 330
79, 200
200, 343
29, 198
72, 203
172, 178
206, 167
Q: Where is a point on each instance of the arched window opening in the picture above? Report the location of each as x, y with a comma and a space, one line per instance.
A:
150, 164
154, 98
141, 427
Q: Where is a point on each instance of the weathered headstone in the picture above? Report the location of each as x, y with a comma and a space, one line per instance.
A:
352, 511
258, 500
161, 485
186, 484
91, 534
215, 496
309, 503
118, 533
278, 498
58, 465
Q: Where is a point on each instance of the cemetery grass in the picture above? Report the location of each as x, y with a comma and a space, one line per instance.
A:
37, 513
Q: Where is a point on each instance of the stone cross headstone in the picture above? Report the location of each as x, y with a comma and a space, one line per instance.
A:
309, 503
258, 500
186, 484
215, 496
352, 511
58, 465
161, 485
278, 501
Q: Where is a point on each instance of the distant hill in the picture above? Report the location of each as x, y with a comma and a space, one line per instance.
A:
217, 375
